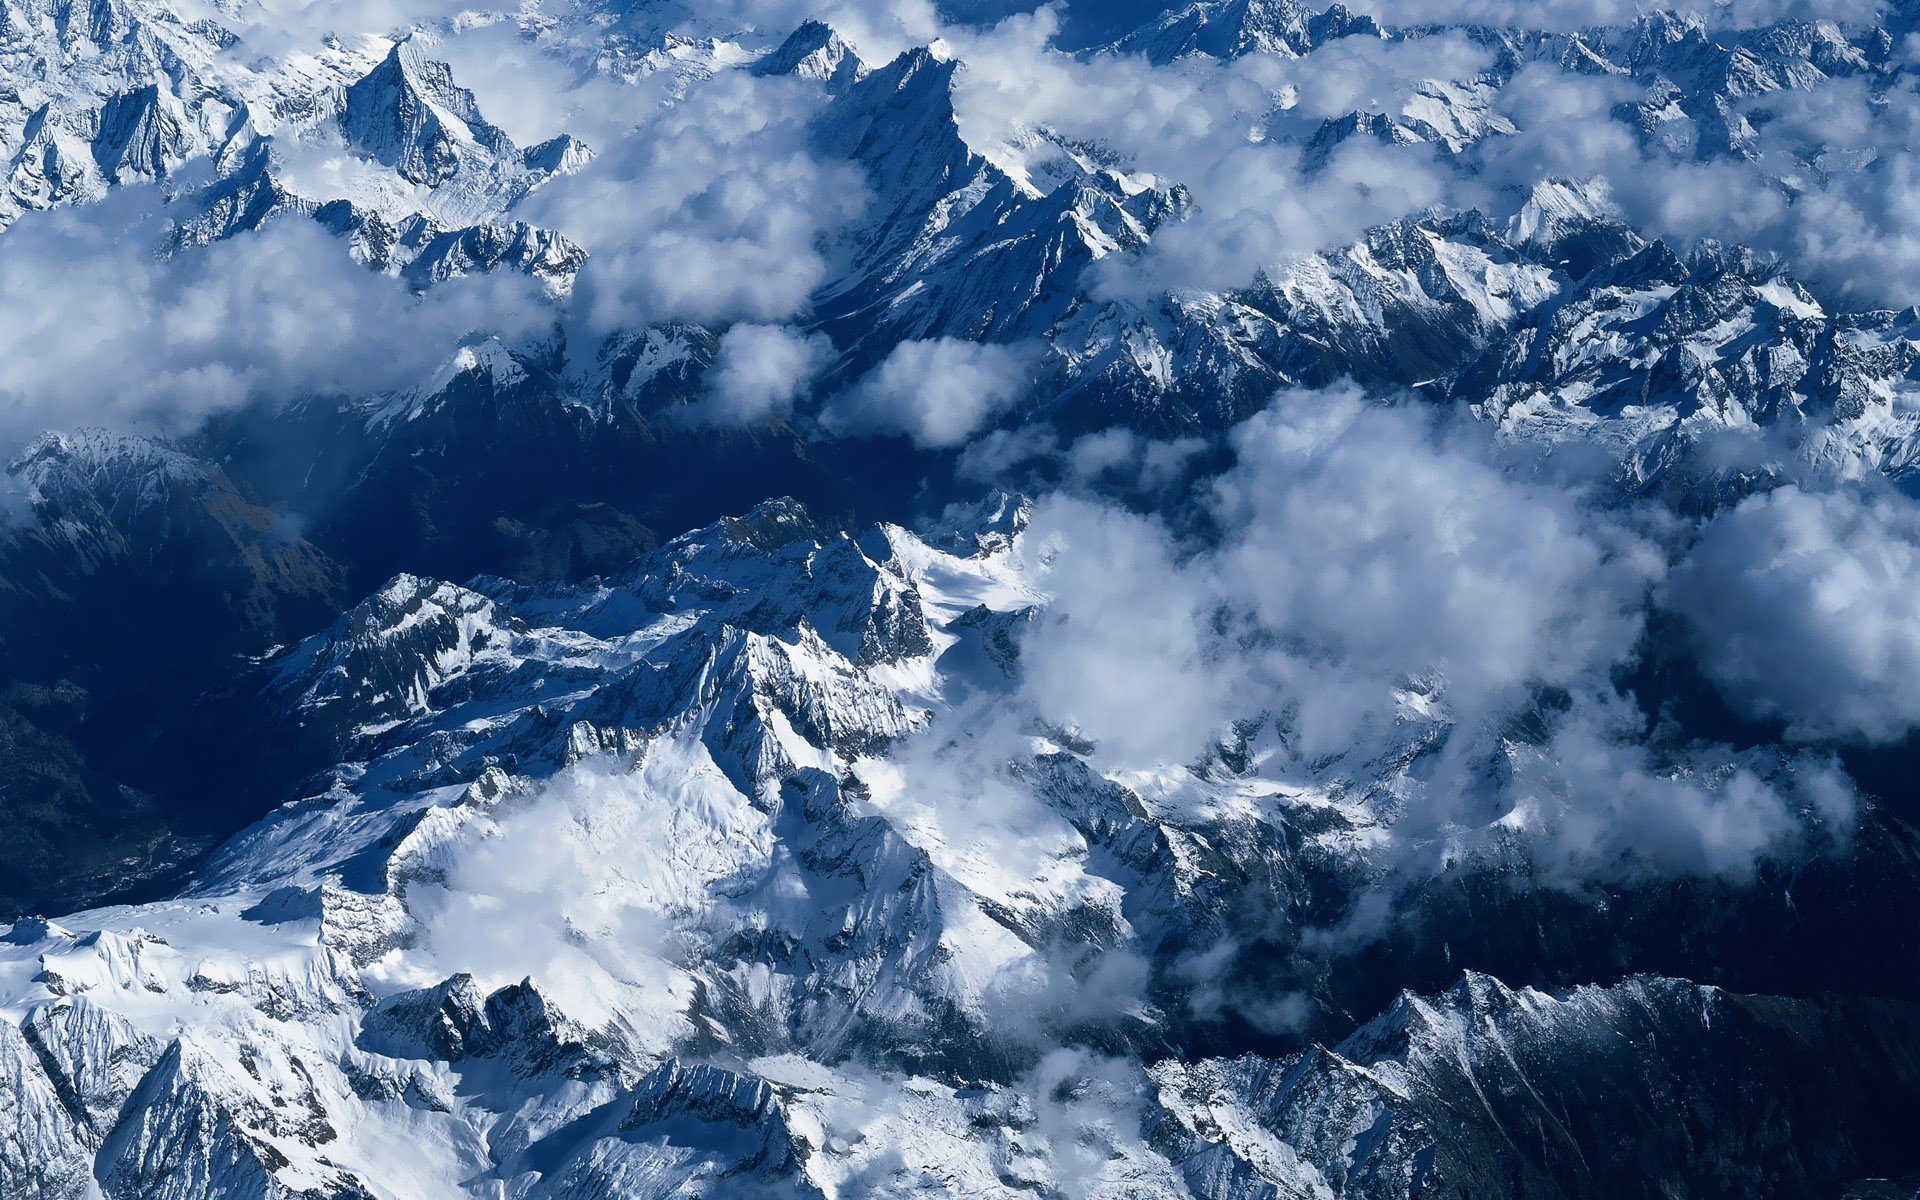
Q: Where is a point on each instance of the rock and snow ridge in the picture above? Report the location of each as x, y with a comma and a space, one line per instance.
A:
621, 890
122, 93
679, 881
952, 245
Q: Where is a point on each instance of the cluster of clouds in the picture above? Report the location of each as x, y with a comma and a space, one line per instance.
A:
1368, 547
1370, 570
758, 373
1824, 185
1411, 616
713, 210
937, 392
705, 207
95, 329
1381, 570
1367, 552
1222, 129
1803, 611
708, 202
1365, 546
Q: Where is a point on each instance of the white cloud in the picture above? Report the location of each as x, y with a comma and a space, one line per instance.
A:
1364, 546
1002, 456
938, 392
712, 207
1828, 188
1826, 181
1212, 127
1370, 558
1122, 652
712, 210
1804, 610
1596, 806
96, 329
759, 372
532, 90
1388, 545
1129, 460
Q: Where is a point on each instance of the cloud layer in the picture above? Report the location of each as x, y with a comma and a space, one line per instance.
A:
1381, 571
97, 329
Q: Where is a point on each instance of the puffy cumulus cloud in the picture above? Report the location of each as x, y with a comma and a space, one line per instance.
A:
1010, 458
1824, 177
1803, 609
534, 90
1857, 237
1366, 546
96, 329
1258, 208
1593, 803
759, 372
1133, 462
1181, 117
1828, 188
954, 790
1032, 459
937, 392
1364, 74
1124, 651
1826, 184
1384, 540
277, 27
1564, 128
706, 206
538, 78
1381, 578
1177, 119
710, 210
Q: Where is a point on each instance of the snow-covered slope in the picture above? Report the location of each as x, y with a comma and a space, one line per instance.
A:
1429, 1096
579, 859
955, 246
1230, 28
1659, 355
650, 887
126, 93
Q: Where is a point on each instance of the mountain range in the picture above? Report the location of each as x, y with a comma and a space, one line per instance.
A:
1218, 600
